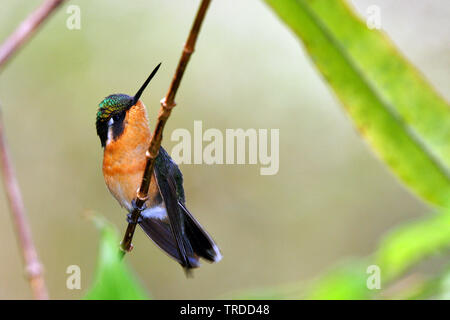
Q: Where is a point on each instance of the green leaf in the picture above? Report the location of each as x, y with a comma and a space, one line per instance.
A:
394, 108
345, 282
444, 285
113, 280
411, 243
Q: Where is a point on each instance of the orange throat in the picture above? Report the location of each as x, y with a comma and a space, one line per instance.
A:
124, 157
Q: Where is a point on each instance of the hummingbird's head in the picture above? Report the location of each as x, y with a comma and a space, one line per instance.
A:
110, 114
112, 110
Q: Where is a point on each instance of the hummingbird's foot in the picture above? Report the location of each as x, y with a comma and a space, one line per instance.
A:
135, 208
130, 218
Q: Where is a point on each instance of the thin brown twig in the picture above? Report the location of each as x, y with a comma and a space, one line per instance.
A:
33, 267
167, 104
9, 47
26, 29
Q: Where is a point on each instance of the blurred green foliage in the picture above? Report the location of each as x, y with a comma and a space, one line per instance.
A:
113, 279
410, 243
401, 116
344, 282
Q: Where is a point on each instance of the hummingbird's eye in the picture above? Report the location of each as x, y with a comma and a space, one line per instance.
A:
117, 118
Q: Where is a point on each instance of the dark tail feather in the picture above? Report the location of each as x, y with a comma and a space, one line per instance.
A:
197, 242
160, 233
200, 241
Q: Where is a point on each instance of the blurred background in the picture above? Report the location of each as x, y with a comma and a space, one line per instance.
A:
331, 199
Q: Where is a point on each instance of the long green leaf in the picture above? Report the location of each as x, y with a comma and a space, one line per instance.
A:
411, 243
392, 106
113, 280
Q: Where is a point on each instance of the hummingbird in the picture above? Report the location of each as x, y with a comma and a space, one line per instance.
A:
123, 128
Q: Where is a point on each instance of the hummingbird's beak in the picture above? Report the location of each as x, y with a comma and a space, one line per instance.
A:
141, 90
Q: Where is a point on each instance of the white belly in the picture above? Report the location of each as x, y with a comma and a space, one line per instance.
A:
157, 212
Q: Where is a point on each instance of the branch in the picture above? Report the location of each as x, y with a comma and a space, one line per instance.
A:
26, 29
33, 267
167, 104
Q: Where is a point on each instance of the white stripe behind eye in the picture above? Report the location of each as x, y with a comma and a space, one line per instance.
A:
110, 131
110, 134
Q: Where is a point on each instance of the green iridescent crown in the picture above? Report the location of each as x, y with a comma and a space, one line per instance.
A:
114, 103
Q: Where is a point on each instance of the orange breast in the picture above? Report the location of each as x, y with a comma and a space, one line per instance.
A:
124, 158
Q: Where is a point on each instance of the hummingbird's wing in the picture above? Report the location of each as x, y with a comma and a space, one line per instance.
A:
169, 233
200, 240
161, 234
197, 237
179, 234
176, 222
